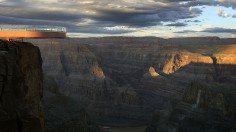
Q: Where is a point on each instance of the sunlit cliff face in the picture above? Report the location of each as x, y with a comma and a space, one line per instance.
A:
226, 55
153, 72
98, 72
176, 61
223, 55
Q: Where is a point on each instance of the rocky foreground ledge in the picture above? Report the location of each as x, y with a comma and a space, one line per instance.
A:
21, 82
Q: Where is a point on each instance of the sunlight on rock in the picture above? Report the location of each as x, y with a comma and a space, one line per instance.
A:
98, 72
153, 72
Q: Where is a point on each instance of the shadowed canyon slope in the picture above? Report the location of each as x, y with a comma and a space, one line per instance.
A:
125, 81
21, 88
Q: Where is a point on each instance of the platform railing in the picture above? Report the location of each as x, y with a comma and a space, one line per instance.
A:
32, 28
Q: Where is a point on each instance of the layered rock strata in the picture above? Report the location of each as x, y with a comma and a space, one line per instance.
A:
134, 78
21, 88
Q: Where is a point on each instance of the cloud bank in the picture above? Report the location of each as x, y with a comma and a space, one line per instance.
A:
211, 30
105, 16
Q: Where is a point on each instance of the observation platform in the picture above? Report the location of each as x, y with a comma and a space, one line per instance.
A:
11, 32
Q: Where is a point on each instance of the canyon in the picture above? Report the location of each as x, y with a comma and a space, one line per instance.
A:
118, 84
164, 84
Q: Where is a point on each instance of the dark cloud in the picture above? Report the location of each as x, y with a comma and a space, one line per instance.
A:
139, 19
177, 0
175, 14
227, 3
94, 16
13, 2
98, 30
177, 24
70, 13
219, 30
22, 21
31, 13
200, 3
211, 30
185, 31
70, 27
146, 17
196, 21
192, 21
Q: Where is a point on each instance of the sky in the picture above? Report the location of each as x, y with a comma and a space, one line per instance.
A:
97, 18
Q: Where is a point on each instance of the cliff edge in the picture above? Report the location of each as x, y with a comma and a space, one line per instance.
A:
21, 82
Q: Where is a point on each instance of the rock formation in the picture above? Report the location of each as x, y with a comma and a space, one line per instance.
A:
204, 107
132, 80
21, 88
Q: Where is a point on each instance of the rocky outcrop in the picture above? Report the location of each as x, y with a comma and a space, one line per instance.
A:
177, 66
75, 69
205, 107
21, 88
218, 97
133, 78
129, 63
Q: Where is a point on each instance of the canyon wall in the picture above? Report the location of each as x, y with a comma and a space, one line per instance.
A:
21, 88
125, 80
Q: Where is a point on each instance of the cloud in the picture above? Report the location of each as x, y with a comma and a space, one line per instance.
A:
86, 2
196, 21
211, 30
221, 13
118, 13
177, 24
101, 16
201, 3
219, 30
99, 30
144, 17
125, 18
192, 21
227, 3
185, 31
